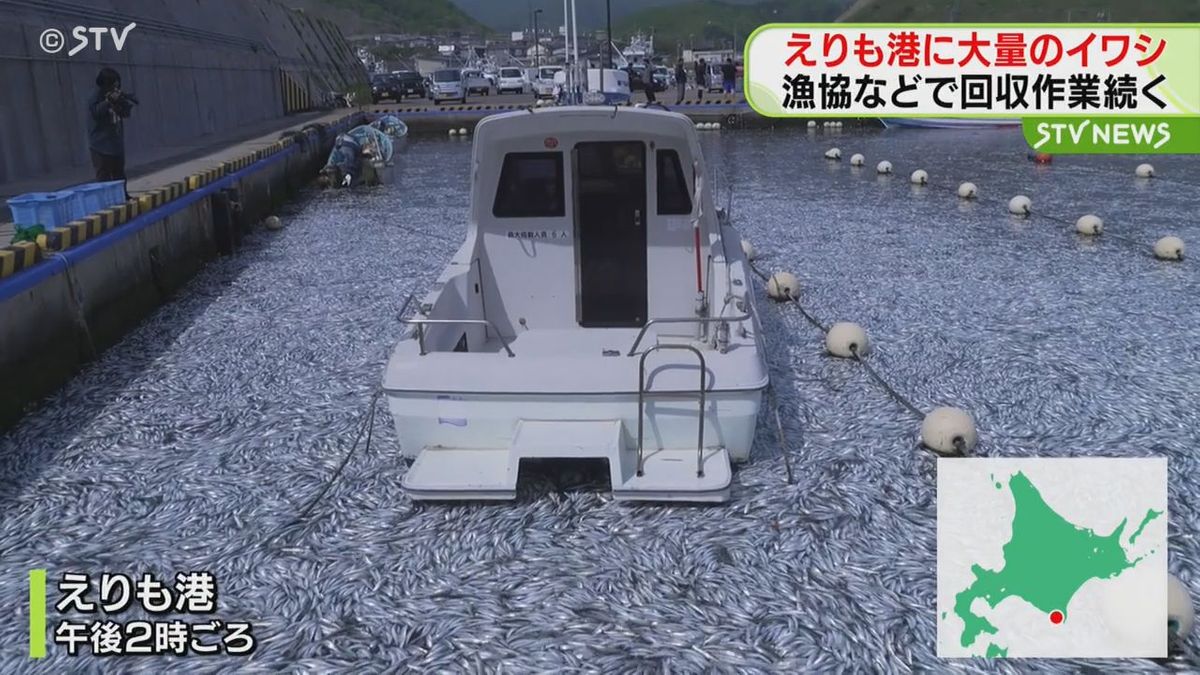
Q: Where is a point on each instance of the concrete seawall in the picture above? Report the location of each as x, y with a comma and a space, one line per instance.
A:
199, 69
96, 279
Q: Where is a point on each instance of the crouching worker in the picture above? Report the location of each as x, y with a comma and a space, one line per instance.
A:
358, 158
343, 165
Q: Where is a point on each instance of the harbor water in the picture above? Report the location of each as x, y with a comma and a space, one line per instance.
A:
196, 442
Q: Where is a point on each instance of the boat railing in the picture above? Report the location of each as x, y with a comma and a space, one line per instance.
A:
421, 323
643, 394
682, 319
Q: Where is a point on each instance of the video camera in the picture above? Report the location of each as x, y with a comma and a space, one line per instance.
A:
124, 103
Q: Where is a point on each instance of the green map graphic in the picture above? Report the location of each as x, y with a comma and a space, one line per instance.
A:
1046, 562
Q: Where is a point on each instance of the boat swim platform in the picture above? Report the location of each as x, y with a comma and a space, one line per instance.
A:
491, 474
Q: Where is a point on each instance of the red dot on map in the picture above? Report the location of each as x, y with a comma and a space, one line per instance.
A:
1056, 617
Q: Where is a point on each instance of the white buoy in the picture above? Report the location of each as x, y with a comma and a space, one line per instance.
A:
833, 153
454, 132
884, 167
1089, 224
944, 429
273, 223
783, 286
716, 125
845, 339
462, 131
748, 250
919, 177
812, 124
857, 160
1169, 248
1020, 205
1180, 612
1144, 171
968, 191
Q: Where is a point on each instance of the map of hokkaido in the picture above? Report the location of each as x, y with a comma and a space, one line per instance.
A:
1052, 557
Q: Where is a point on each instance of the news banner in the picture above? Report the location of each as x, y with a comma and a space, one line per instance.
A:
1077, 88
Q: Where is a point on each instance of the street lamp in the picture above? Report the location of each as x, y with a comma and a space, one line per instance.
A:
608, 19
537, 45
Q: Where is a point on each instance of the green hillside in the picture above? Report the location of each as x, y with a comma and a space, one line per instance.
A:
391, 16
884, 11
711, 23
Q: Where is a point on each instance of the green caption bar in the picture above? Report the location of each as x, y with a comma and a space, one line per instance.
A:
1113, 135
37, 614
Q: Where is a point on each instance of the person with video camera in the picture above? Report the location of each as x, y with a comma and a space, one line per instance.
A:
108, 109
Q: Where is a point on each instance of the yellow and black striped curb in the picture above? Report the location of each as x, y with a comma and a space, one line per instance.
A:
93, 225
202, 178
17, 257
24, 255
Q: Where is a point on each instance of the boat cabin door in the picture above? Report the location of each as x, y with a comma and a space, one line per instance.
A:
610, 233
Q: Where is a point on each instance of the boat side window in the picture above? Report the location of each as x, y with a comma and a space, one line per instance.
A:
531, 186
673, 197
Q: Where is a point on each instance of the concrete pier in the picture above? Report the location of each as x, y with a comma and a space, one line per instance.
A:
85, 285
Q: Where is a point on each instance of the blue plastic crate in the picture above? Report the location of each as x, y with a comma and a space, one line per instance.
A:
114, 192
48, 209
99, 196
73, 204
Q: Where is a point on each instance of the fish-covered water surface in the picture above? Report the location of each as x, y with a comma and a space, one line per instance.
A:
195, 442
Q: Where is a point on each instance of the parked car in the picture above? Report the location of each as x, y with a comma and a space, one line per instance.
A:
663, 78
410, 83
446, 85
544, 86
511, 80
716, 81
385, 86
476, 83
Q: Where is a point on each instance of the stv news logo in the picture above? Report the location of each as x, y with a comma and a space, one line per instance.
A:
52, 40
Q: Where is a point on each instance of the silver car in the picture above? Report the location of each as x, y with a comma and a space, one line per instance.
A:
447, 85
476, 83
511, 79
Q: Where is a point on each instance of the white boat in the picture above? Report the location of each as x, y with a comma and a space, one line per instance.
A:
641, 48
597, 309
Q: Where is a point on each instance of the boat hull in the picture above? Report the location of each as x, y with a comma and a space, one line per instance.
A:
483, 421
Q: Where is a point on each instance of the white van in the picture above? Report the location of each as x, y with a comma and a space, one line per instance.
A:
511, 80
543, 87
716, 81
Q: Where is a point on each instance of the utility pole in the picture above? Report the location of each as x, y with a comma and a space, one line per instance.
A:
537, 44
608, 19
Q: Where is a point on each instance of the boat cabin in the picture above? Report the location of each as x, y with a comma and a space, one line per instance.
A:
591, 243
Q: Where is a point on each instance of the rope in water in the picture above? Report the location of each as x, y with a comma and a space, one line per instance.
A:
903, 401
1038, 214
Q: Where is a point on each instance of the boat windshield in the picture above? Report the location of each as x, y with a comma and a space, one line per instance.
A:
446, 76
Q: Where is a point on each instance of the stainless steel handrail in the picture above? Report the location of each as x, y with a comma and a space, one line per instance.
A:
682, 319
421, 323
642, 402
